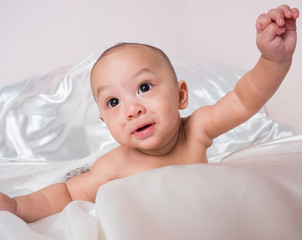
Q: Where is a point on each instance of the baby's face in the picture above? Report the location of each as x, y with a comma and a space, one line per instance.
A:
138, 98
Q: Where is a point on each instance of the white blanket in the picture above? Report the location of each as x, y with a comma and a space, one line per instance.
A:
255, 193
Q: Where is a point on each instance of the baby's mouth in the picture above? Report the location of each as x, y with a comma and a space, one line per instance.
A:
143, 130
144, 127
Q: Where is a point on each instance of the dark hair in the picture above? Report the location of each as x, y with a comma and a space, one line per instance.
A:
126, 44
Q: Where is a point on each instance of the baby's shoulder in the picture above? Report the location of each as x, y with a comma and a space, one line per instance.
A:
108, 159
111, 163
195, 126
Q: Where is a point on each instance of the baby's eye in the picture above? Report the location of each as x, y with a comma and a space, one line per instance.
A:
112, 102
144, 87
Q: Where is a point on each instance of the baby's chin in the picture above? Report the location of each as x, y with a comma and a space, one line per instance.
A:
157, 148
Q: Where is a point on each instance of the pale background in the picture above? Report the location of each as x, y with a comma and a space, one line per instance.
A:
38, 36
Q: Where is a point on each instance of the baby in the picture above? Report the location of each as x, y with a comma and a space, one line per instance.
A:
139, 97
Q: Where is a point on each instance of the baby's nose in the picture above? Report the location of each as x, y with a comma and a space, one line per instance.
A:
134, 110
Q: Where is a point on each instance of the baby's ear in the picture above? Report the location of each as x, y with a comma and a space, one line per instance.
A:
183, 94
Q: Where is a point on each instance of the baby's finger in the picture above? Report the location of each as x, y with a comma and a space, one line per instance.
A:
295, 13
289, 12
269, 35
277, 16
286, 10
262, 22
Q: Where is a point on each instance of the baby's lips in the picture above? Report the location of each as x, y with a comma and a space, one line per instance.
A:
144, 129
139, 127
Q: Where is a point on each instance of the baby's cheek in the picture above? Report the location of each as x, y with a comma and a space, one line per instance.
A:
171, 108
118, 131
170, 114
113, 129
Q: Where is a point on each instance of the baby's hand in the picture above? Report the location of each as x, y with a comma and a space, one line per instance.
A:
7, 204
276, 33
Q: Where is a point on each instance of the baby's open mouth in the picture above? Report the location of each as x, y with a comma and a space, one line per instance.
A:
144, 130
144, 127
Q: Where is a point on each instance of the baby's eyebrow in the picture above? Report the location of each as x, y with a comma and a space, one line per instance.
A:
142, 71
136, 74
101, 89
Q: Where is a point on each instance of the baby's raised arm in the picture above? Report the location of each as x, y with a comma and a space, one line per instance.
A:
276, 39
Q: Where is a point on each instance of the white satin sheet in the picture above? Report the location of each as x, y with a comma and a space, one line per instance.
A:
255, 193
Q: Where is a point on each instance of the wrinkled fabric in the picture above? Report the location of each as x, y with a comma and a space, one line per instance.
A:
51, 118
255, 193
55, 118
76, 222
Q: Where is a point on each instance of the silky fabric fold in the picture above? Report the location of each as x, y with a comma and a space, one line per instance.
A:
51, 118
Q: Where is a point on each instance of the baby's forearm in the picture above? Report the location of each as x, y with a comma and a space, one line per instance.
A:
258, 85
43, 203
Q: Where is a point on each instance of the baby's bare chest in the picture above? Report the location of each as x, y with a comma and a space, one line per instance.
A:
142, 163
130, 161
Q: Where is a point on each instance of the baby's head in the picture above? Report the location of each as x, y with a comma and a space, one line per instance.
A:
138, 95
